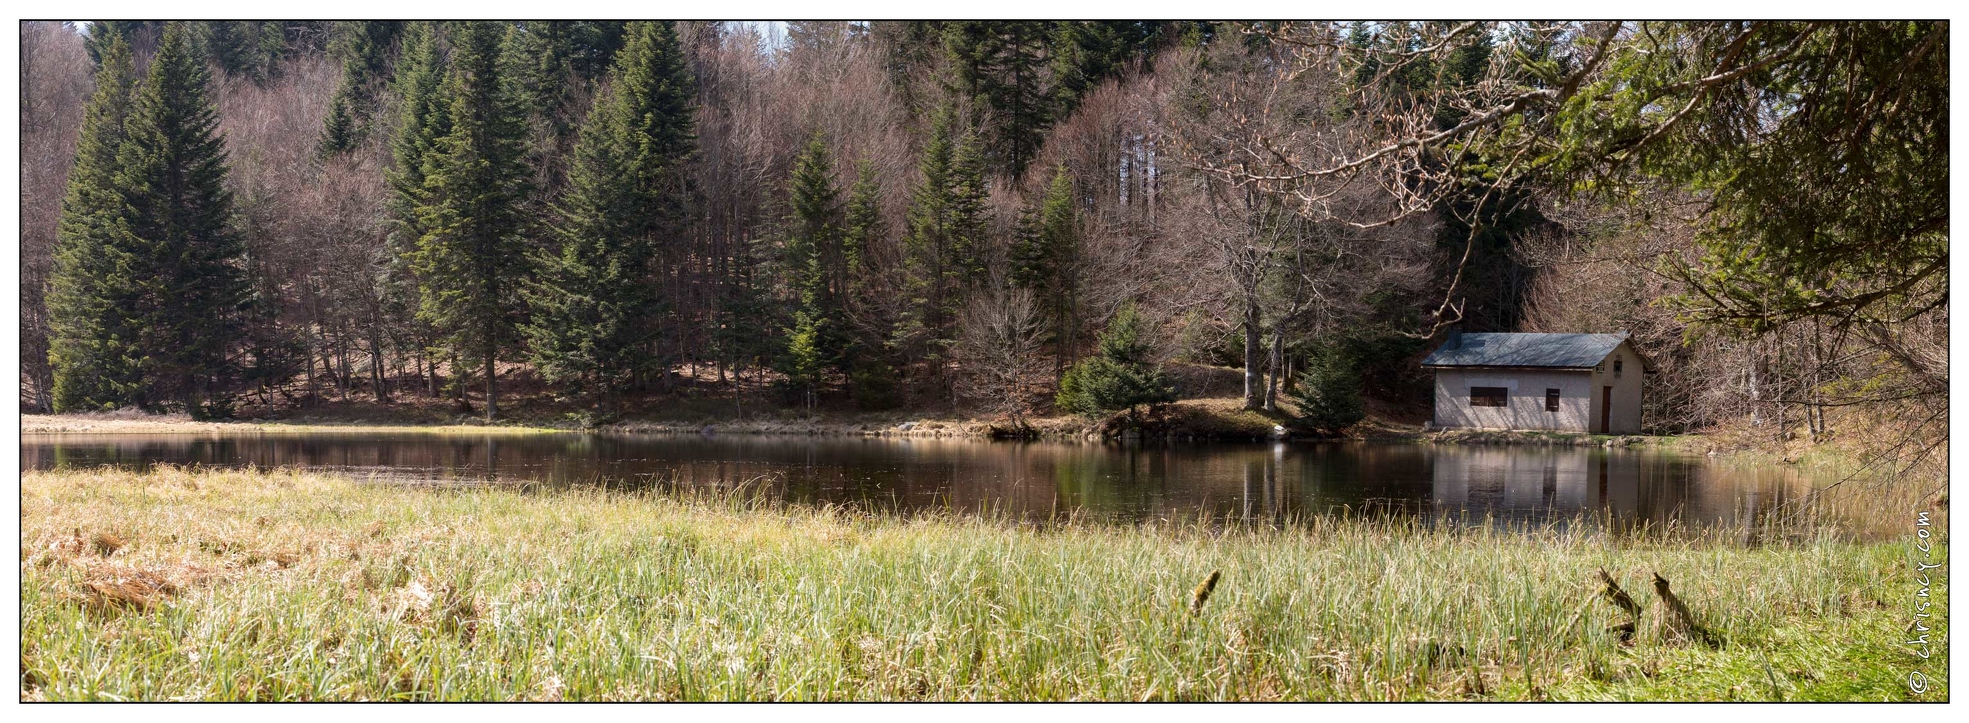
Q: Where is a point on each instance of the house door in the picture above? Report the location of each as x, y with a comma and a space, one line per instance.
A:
1606, 406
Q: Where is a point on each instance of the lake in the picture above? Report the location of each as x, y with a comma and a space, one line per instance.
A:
1035, 481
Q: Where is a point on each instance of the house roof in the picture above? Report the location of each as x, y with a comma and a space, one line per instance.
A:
1564, 351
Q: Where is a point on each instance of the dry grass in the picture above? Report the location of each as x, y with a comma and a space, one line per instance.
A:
281, 585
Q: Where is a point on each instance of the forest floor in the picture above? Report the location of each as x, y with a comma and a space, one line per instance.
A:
178, 584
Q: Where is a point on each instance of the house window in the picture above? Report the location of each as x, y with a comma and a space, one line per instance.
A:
1551, 400
1488, 396
1616, 367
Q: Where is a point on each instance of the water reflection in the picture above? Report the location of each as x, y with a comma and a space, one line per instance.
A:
1269, 482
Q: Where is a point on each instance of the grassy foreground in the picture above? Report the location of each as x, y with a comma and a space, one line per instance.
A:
179, 584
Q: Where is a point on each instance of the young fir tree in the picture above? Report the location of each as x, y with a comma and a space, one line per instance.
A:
595, 303
1329, 392
474, 212
93, 291
192, 264
1123, 376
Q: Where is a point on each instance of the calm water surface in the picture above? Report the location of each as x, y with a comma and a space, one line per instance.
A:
1035, 481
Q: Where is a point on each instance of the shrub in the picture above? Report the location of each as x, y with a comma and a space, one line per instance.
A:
1329, 392
1122, 376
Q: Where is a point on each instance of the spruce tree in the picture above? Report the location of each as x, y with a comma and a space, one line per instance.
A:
1045, 255
659, 97
474, 212
421, 120
595, 302
591, 299
1123, 376
93, 291
192, 264
1002, 67
871, 379
814, 261
946, 236
365, 48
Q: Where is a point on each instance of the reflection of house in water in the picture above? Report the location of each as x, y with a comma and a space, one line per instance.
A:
1514, 481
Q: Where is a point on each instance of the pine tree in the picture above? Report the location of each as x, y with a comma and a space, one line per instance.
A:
192, 263
474, 212
93, 292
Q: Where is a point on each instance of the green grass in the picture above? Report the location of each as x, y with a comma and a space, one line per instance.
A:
297, 586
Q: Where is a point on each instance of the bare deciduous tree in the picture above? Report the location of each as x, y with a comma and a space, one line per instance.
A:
1001, 351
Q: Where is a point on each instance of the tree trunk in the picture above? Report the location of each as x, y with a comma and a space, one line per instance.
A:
491, 392
376, 368
1253, 395
429, 370
1277, 366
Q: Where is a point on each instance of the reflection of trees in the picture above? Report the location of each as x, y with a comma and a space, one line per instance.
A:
1266, 484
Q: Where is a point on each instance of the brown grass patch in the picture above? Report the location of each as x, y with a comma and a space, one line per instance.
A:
109, 590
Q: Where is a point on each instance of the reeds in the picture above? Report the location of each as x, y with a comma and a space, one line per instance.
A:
395, 593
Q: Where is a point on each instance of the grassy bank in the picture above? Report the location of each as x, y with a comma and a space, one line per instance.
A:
239, 585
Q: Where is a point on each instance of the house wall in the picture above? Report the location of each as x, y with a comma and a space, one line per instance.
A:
1579, 397
1525, 408
1626, 417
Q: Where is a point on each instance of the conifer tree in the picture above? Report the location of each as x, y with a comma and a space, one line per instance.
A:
1123, 376
1002, 66
660, 101
595, 302
474, 212
93, 292
946, 236
862, 226
814, 261
365, 48
422, 119
1044, 257
871, 379
197, 292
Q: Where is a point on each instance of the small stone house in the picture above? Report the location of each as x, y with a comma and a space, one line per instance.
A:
1563, 382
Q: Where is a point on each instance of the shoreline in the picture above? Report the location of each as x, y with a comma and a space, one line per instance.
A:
1191, 423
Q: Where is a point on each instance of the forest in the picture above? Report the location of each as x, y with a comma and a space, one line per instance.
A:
1010, 219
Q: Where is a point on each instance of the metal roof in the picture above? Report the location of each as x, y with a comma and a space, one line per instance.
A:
1565, 351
